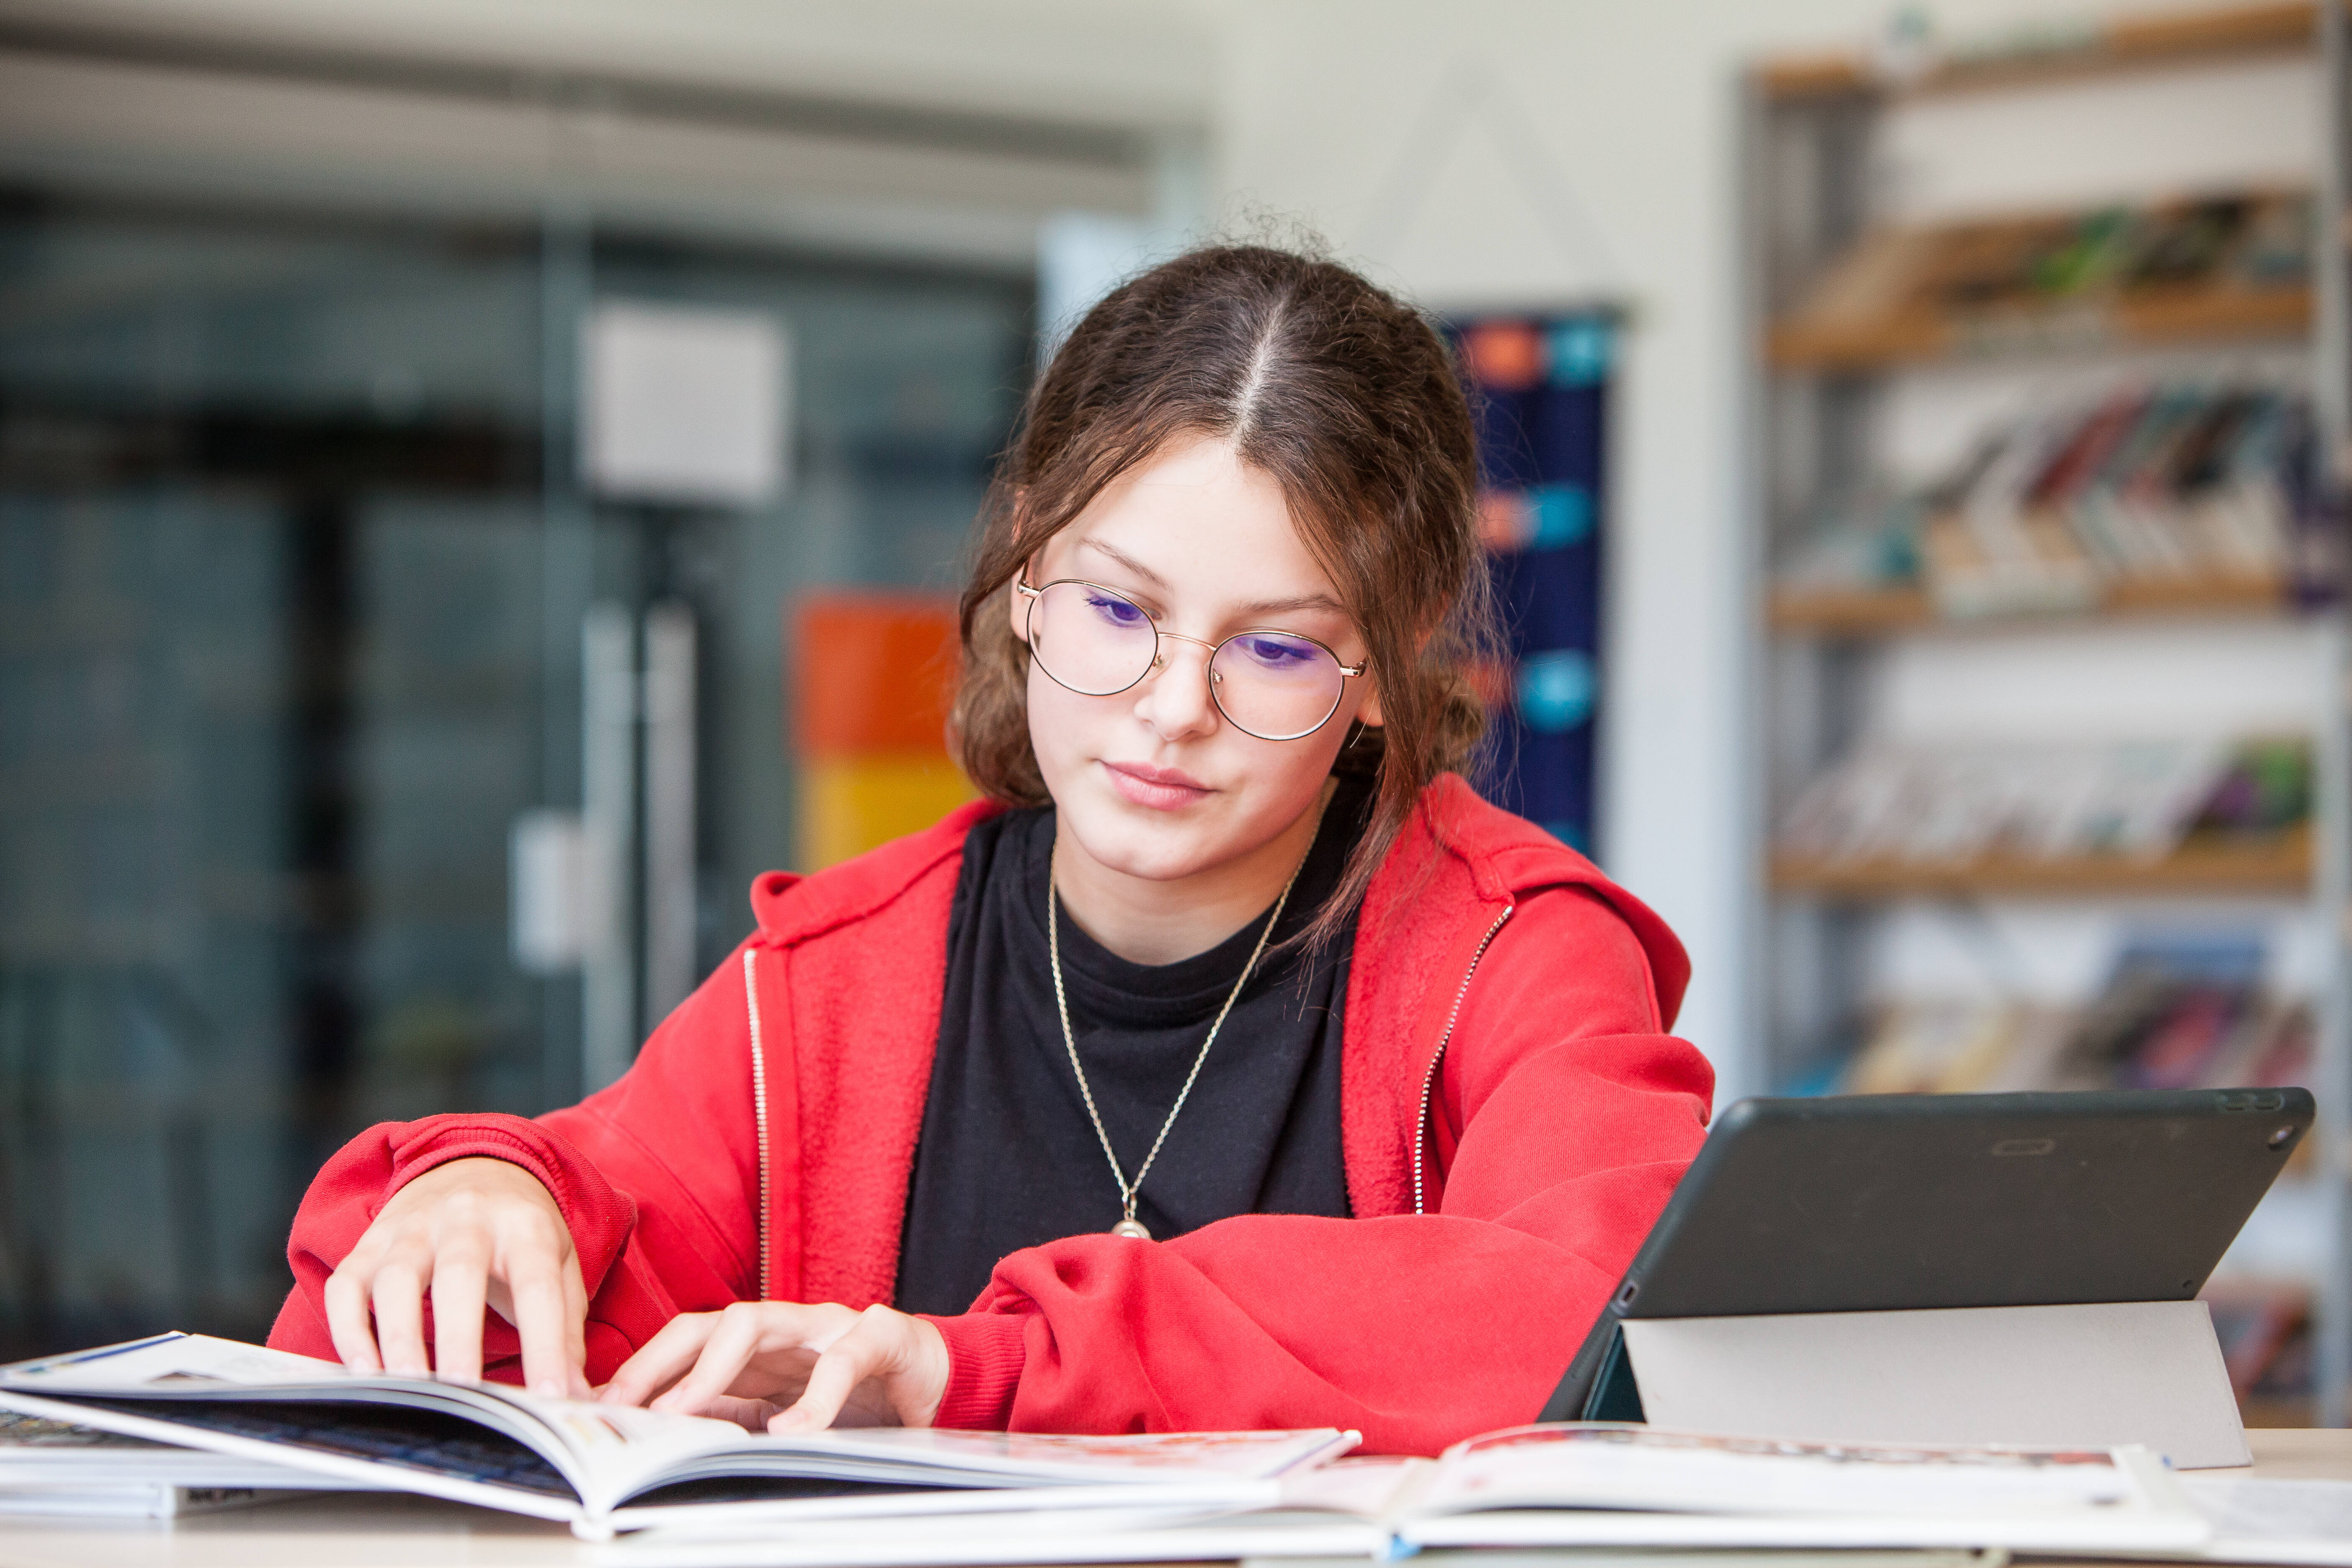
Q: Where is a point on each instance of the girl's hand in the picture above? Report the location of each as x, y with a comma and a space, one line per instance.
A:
476, 1233
791, 1368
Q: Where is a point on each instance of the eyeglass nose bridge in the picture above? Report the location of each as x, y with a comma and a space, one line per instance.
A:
1160, 658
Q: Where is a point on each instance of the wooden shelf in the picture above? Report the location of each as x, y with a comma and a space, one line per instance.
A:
2278, 864
2122, 44
1859, 613
2144, 318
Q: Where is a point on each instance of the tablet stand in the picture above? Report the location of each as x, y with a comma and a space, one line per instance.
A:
2068, 1376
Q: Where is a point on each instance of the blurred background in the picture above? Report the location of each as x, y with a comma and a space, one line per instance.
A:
480, 482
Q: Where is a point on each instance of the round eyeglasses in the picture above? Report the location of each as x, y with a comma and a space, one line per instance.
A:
1098, 642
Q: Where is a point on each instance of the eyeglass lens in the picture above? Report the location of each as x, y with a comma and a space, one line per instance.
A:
1272, 685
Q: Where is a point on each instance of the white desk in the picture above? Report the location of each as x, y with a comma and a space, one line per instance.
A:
363, 1531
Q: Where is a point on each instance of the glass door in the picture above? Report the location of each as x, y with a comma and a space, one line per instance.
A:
287, 648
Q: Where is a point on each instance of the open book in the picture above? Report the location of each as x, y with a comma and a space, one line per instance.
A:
604, 1468
1588, 1486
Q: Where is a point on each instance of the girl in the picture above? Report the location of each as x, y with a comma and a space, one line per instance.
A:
1232, 1065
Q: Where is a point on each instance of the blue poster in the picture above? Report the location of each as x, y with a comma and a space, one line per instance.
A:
1540, 392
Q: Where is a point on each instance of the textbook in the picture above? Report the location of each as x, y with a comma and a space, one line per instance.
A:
602, 1468
1592, 1486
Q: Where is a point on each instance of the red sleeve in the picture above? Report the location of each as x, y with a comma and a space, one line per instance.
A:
1566, 1120
657, 1177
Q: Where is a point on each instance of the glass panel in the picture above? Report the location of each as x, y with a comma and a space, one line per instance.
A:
905, 386
273, 688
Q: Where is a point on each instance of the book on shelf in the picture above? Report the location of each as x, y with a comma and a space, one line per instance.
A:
2179, 1009
2218, 263
2138, 802
2179, 490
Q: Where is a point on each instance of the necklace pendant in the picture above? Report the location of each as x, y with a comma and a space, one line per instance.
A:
1130, 1228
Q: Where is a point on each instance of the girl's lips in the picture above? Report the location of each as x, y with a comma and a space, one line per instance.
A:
1164, 789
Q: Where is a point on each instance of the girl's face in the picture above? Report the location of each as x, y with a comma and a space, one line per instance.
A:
1155, 782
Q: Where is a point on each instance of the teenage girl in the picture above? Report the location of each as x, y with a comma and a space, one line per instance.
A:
1232, 1065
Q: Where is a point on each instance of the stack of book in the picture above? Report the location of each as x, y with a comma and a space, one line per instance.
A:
2221, 263
1959, 804
2179, 1010
2186, 491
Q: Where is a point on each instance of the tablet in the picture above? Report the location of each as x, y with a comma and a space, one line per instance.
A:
1874, 1203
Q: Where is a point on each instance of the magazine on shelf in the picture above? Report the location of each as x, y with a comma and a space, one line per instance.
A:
1575, 1485
2176, 489
602, 1468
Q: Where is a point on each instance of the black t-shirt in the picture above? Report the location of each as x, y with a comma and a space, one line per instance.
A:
1008, 1158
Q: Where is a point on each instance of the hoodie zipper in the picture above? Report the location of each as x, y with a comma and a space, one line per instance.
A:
1429, 1079
759, 1111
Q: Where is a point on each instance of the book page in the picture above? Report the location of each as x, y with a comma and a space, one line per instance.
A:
1641, 1468
2262, 1521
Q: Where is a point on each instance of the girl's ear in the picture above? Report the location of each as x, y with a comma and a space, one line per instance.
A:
1019, 607
1369, 712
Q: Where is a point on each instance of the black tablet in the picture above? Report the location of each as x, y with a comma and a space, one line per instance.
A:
1872, 1202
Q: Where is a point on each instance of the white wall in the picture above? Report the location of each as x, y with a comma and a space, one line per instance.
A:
1321, 104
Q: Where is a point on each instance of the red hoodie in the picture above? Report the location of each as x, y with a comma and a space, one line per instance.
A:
1512, 1112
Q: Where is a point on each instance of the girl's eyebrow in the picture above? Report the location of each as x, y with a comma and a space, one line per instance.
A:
1302, 602
1124, 559
1255, 607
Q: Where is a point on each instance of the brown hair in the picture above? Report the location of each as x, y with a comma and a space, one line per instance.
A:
1348, 398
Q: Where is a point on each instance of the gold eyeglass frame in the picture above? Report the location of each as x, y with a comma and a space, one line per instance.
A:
1347, 671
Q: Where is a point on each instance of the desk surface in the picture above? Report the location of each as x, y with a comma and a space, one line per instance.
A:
362, 1531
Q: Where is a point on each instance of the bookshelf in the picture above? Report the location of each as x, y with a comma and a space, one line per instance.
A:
2162, 319
1875, 612
2090, 48
2271, 865
1877, 315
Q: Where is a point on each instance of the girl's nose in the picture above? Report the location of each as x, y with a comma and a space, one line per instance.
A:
1174, 698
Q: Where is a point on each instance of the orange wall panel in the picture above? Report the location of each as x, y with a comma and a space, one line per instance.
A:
872, 678
872, 672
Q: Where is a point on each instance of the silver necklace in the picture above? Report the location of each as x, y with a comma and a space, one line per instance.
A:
1129, 1225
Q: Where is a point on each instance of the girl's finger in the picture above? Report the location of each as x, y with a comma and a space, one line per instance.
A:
751, 1414
346, 1319
741, 1332
669, 1355
750, 1328
537, 1285
461, 1282
575, 1326
867, 1349
399, 1299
